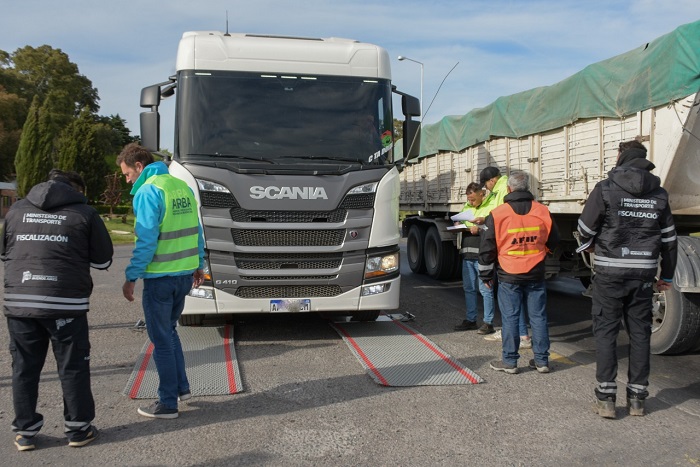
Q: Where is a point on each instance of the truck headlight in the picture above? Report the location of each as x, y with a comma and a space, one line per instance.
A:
202, 293
381, 265
206, 185
362, 189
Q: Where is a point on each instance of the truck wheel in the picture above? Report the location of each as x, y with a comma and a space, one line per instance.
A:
675, 322
414, 249
365, 316
439, 256
191, 320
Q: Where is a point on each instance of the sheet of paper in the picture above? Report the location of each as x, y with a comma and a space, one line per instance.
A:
463, 216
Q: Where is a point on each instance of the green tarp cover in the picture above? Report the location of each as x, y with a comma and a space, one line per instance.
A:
661, 71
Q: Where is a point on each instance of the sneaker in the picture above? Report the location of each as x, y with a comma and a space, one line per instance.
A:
635, 406
24, 443
184, 396
84, 438
496, 336
486, 328
499, 365
525, 342
605, 408
466, 326
158, 410
540, 368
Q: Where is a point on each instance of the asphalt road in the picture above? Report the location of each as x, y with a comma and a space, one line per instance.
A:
308, 401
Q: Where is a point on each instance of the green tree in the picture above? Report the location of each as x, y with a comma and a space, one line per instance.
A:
63, 129
30, 72
13, 113
121, 134
82, 147
33, 159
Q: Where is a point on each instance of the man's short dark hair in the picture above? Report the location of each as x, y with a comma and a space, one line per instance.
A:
70, 177
634, 144
633, 153
473, 187
133, 153
488, 173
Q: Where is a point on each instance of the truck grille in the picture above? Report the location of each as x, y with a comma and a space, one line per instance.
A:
288, 278
258, 237
290, 291
287, 261
244, 215
215, 199
361, 201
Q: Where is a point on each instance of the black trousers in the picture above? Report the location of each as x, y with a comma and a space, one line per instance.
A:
29, 342
628, 300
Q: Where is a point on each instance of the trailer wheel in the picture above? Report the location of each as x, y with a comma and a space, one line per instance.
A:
414, 249
675, 322
439, 256
365, 316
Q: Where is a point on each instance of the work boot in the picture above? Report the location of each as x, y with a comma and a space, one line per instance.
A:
466, 326
635, 406
500, 365
540, 368
605, 408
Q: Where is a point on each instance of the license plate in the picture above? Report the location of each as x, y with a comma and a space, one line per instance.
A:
290, 306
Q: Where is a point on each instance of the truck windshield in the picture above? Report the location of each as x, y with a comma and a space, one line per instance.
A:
283, 118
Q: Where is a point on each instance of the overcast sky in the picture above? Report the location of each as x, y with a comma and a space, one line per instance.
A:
502, 47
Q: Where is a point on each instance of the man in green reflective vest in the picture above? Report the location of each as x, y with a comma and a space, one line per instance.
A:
169, 257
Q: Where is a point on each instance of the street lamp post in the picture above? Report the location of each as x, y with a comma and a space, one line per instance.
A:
401, 58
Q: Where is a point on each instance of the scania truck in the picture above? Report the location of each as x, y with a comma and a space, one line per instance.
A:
288, 145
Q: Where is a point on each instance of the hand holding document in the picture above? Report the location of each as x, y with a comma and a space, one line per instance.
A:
464, 216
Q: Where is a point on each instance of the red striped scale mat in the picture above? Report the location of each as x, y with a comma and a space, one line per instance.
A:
394, 354
210, 363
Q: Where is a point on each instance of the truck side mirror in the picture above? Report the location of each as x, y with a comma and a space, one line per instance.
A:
411, 139
150, 96
150, 121
410, 106
150, 130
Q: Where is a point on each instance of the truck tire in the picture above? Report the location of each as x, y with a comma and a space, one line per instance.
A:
439, 256
414, 249
675, 322
365, 316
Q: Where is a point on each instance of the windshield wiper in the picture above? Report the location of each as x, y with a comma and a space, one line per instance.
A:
233, 156
327, 158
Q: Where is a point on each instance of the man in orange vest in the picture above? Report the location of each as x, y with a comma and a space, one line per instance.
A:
518, 235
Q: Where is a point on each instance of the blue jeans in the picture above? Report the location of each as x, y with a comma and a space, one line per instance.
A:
163, 302
532, 298
470, 283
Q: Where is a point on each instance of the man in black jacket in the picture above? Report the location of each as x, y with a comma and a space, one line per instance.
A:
627, 223
50, 240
